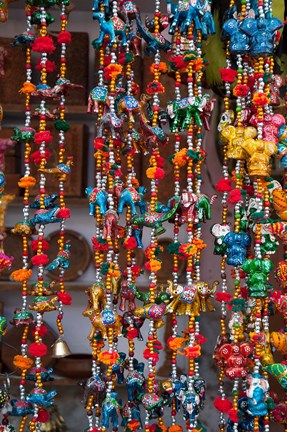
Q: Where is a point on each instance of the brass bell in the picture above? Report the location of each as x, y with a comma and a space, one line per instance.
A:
60, 348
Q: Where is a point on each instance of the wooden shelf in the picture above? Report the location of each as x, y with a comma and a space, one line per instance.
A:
7, 285
69, 109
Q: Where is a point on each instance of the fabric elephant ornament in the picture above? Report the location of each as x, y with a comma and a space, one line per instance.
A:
127, 296
246, 421
237, 244
236, 359
259, 152
281, 274
239, 41
134, 323
119, 367
256, 394
110, 224
235, 137
190, 405
184, 111
135, 382
257, 270
97, 198
111, 410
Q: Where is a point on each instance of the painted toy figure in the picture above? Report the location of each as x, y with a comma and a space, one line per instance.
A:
262, 33
62, 261
111, 410
103, 321
235, 137
61, 170
237, 244
154, 41
219, 232
97, 198
256, 394
259, 152
39, 396
97, 96
135, 381
257, 271
111, 27
182, 112
43, 304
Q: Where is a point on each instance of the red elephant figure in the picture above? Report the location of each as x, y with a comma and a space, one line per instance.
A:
111, 224
127, 294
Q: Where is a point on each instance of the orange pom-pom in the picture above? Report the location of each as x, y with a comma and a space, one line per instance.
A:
108, 358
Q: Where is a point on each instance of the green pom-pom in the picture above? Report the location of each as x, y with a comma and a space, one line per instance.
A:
173, 248
196, 156
238, 304
105, 268
62, 125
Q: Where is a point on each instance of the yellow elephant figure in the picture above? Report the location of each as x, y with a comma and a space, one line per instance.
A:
235, 137
103, 321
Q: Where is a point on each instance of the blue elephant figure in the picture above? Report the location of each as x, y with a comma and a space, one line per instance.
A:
111, 410
131, 197
179, 388
246, 421
131, 409
190, 405
237, 244
97, 198
135, 382
207, 21
119, 367
20, 408
239, 41
183, 18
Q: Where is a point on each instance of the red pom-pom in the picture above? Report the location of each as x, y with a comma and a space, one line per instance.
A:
249, 189
35, 245
200, 339
244, 292
235, 196
233, 415
37, 349
64, 37
241, 90
159, 161
37, 156
42, 330
132, 333
43, 136
64, 213
130, 243
159, 173
100, 244
222, 296
228, 75
224, 185
49, 65
43, 44
222, 405
41, 259
43, 416
65, 298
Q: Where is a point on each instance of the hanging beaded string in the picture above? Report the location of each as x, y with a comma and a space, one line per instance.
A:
223, 296
152, 332
27, 151
99, 252
38, 349
62, 126
176, 170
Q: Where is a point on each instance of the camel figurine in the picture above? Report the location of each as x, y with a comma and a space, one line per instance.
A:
103, 321
97, 299
61, 170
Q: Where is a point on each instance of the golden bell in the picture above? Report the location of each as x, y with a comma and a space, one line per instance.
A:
60, 348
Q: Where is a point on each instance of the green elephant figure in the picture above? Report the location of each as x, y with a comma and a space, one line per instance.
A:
183, 111
257, 270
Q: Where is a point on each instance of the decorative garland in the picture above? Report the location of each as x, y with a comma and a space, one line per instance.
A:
130, 125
